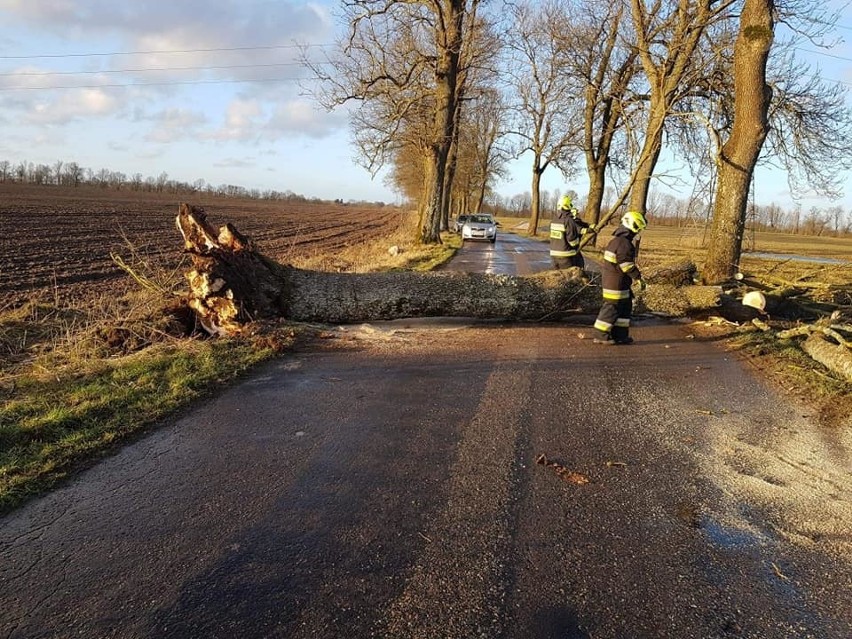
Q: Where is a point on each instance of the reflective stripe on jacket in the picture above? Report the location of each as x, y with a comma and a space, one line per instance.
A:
564, 235
618, 269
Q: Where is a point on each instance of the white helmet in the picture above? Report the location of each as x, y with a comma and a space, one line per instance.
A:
634, 220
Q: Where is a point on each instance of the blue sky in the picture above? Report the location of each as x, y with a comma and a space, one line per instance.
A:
153, 109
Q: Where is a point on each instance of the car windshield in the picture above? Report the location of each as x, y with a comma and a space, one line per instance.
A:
482, 219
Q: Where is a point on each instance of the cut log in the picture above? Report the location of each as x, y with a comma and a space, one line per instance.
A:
232, 284
835, 358
682, 273
680, 301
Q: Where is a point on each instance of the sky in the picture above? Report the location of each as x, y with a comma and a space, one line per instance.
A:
213, 90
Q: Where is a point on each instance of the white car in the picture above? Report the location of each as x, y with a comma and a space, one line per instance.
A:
481, 226
458, 223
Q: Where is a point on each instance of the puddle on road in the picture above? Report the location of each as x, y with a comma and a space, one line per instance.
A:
797, 258
728, 537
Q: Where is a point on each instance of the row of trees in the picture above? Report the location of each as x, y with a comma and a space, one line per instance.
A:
448, 91
73, 175
669, 210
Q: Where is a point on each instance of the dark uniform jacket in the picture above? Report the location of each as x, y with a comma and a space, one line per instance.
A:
565, 234
618, 269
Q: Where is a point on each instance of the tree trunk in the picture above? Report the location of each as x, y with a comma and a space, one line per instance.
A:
834, 357
649, 155
446, 78
536, 201
739, 154
232, 285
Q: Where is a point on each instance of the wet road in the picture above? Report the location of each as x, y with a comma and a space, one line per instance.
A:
388, 487
510, 255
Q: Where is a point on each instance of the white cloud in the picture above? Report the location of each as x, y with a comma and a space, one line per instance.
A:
304, 118
236, 163
242, 122
67, 106
183, 25
169, 125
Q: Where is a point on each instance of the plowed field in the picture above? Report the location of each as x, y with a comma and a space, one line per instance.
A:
57, 241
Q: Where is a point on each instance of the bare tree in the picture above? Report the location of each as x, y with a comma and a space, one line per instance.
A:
57, 172
547, 117
738, 155
401, 62
604, 64
482, 156
804, 121
667, 35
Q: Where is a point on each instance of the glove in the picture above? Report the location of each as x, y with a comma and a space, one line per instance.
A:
642, 285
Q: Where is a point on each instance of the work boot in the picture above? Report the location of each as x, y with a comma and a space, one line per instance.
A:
603, 338
623, 341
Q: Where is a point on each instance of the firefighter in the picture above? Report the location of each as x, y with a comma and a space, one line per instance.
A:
566, 227
618, 272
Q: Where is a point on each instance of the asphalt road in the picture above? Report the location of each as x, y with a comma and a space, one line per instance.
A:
387, 485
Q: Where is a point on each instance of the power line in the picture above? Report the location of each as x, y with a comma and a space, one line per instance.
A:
114, 53
825, 54
40, 74
147, 84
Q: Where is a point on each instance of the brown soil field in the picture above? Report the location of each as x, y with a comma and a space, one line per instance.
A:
57, 241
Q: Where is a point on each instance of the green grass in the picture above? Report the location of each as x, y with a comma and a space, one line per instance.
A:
51, 424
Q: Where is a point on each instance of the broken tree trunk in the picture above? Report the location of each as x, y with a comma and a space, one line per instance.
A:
232, 284
834, 357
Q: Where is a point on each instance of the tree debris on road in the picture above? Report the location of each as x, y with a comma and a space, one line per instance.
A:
566, 474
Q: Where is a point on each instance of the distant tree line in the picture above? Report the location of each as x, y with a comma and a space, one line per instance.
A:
71, 174
665, 209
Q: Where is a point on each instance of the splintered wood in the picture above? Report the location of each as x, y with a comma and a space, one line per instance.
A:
568, 475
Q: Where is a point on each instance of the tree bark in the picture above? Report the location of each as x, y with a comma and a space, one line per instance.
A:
739, 154
535, 213
835, 358
231, 285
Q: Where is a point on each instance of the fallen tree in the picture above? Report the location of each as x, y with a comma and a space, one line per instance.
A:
826, 343
233, 284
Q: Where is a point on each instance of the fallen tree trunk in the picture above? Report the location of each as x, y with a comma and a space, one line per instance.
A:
834, 357
232, 284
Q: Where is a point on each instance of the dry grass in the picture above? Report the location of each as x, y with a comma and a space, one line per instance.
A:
399, 250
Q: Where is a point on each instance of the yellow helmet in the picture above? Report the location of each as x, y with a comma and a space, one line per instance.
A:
634, 220
565, 204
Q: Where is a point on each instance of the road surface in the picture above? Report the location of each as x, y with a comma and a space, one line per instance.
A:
387, 485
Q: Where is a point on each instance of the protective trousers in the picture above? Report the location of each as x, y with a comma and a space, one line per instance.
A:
567, 262
614, 318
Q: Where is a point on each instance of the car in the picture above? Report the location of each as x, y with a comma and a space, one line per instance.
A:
481, 226
458, 223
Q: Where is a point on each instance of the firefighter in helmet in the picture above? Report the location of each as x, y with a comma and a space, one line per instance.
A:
566, 228
618, 272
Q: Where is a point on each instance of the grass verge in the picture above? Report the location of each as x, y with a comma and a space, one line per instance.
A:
51, 422
783, 363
